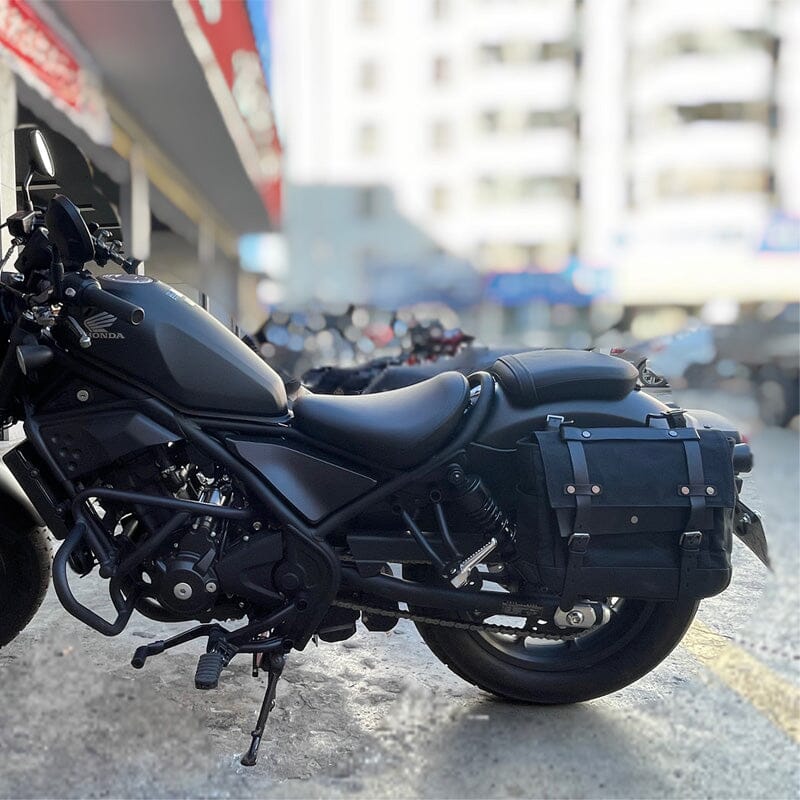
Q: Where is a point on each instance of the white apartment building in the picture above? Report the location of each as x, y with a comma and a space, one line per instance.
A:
713, 110
516, 134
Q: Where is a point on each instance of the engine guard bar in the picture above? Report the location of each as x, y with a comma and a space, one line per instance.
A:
124, 605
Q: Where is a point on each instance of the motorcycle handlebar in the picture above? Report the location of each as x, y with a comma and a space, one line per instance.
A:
94, 295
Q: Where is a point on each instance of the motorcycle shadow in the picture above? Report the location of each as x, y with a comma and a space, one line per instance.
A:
496, 748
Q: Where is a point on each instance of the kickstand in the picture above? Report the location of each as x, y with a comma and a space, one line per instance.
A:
276, 664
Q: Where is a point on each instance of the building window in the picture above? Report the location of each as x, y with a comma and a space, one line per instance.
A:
520, 52
490, 121
367, 202
695, 182
537, 186
441, 69
491, 54
516, 256
368, 138
440, 9
441, 135
368, 12
725, 112
551, 51
560, 118
497, 190
440, 199
368, 76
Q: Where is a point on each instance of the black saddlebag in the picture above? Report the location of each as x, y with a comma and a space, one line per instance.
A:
630, 512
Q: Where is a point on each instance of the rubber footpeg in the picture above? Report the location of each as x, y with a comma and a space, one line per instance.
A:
209, 668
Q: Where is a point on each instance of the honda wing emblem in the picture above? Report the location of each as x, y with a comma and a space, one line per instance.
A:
98, 326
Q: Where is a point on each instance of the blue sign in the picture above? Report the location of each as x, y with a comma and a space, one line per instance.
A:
259, 13
782, 234
521, 288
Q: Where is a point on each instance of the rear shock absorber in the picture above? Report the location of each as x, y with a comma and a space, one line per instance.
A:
483, 516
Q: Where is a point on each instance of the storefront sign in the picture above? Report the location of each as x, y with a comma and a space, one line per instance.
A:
46, 63
222, 37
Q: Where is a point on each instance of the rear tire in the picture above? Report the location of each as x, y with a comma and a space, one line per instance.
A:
597, 663
24, 576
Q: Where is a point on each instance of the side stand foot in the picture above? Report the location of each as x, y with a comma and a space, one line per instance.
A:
276, 664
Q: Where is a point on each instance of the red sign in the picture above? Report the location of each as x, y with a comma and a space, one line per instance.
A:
43, 60
224, 25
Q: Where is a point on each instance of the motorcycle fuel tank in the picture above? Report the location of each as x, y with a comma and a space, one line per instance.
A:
181, 352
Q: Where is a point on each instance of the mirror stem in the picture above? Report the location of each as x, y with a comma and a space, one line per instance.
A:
26, 190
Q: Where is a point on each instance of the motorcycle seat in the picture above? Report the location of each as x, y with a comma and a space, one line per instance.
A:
544, 376
399, 429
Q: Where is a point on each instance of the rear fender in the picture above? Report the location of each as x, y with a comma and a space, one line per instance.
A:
710, 420
507, 424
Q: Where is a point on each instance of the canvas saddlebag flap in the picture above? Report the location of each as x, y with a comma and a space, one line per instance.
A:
635, 498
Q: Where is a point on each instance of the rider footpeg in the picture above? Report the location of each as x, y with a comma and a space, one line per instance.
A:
461, 572
209, 668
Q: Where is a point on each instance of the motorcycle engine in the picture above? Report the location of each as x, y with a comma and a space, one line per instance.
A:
209, 568
185, 581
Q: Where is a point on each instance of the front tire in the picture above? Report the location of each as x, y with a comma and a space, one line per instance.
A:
638, 638
24, 577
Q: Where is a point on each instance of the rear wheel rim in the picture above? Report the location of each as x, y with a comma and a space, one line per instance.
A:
580, 652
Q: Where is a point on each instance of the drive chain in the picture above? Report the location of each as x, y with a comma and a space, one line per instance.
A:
484, 627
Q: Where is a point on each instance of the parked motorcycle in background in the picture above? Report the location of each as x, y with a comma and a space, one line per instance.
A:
547, 525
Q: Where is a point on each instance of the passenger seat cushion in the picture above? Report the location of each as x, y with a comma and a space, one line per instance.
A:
542, 376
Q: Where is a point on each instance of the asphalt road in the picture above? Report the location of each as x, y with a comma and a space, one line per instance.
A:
378, 715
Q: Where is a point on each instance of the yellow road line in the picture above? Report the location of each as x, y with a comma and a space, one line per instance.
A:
776, 698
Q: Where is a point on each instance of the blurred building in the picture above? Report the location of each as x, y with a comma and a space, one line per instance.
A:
542, 137
169, 103
713, 178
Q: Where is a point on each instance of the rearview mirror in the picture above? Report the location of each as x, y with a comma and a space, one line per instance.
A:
41, 160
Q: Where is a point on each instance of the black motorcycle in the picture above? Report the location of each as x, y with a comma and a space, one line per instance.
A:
548, 527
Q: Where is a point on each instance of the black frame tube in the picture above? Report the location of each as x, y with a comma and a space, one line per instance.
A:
440, 597
193, 507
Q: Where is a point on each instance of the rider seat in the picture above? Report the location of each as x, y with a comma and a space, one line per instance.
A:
399, 429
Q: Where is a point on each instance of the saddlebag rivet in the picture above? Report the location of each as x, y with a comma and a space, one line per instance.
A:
82, 395
684, 490
634, 519
595, 489
710, 490
586, 434
570, 490
672, 433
